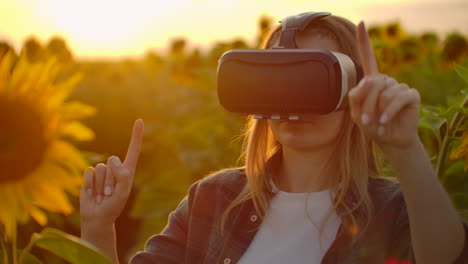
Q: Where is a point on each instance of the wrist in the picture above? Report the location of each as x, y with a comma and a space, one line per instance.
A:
102, 236
392, 152
96, 228
399, 158
411, 164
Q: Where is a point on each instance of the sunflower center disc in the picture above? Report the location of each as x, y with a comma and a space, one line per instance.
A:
22, 142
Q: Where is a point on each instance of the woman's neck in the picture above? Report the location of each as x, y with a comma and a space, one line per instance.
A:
304, 171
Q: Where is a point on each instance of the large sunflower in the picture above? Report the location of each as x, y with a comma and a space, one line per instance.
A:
38, 165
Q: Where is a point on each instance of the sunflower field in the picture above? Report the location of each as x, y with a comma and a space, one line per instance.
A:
60, 115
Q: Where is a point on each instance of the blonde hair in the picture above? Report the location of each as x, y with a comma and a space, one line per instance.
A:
354, 159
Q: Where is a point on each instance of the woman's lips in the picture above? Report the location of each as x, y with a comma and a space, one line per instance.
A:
300, 121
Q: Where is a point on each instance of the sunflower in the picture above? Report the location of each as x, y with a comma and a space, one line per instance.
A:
461, 152
39, 165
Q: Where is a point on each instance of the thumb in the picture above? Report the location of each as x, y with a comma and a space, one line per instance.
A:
123, 177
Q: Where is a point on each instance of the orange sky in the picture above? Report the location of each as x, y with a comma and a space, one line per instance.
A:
112, 28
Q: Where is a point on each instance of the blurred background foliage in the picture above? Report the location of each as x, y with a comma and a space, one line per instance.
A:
188, 134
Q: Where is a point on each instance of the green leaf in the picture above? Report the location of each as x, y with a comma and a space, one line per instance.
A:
460, 200
463, 127
431, 123
449, 113
462, 72
69, 247
456, 167
432, 111
28, 259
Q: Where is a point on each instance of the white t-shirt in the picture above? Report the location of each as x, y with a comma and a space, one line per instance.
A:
287, 234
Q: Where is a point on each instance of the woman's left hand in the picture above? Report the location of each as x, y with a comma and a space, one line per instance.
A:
386, 110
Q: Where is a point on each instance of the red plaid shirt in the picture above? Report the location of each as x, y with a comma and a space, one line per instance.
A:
192, 233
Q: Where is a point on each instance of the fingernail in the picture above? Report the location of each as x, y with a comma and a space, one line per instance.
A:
89, 191
114, 161
99, 199
108, 190
380, 130
383, 119
365, 119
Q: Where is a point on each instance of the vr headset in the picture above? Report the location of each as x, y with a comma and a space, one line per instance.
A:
285, 82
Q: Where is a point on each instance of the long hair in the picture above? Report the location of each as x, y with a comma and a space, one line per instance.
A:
354, 159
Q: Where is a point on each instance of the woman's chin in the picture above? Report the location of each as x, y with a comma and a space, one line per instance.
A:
301, 143
299, 129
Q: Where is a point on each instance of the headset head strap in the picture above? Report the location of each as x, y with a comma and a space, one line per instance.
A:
292, 24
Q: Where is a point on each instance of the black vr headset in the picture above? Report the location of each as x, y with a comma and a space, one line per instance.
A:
285, 82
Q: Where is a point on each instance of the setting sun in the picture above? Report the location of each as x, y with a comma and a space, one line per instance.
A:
99, 21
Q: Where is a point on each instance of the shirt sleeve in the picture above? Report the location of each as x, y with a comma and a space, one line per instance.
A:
463, 258
400, 249
169, 246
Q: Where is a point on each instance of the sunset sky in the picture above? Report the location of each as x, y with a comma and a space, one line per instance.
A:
113, 28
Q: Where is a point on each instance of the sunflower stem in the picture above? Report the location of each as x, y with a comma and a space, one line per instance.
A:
452, 128
440, 167
13, 243
27, 249
3, 246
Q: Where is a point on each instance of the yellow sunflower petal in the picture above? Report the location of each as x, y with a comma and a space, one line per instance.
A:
50, 71
62, 173
7, 217
21, 71
5, 67
22, 202
10, 190
76, 111
8, 222
53, 121
457, 153
462, 149
52, 198
46, 78
63, 90
38, 215
65, 152
28, 83
77, 131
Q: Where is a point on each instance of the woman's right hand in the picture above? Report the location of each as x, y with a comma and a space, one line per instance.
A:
107, 186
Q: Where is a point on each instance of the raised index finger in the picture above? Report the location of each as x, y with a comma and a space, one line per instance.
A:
368, 61
134, 149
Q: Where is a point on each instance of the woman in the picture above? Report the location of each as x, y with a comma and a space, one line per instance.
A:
310, 190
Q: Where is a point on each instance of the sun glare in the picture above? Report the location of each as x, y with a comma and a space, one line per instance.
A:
103, 28
95, 23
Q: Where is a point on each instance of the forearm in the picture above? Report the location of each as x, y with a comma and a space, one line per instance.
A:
102, 237
437, 233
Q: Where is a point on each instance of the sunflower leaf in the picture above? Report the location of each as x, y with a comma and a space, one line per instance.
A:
460, 200
28, 258
462, 72
69, 247
456, 167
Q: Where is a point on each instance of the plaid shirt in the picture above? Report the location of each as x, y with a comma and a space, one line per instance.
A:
192, 234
